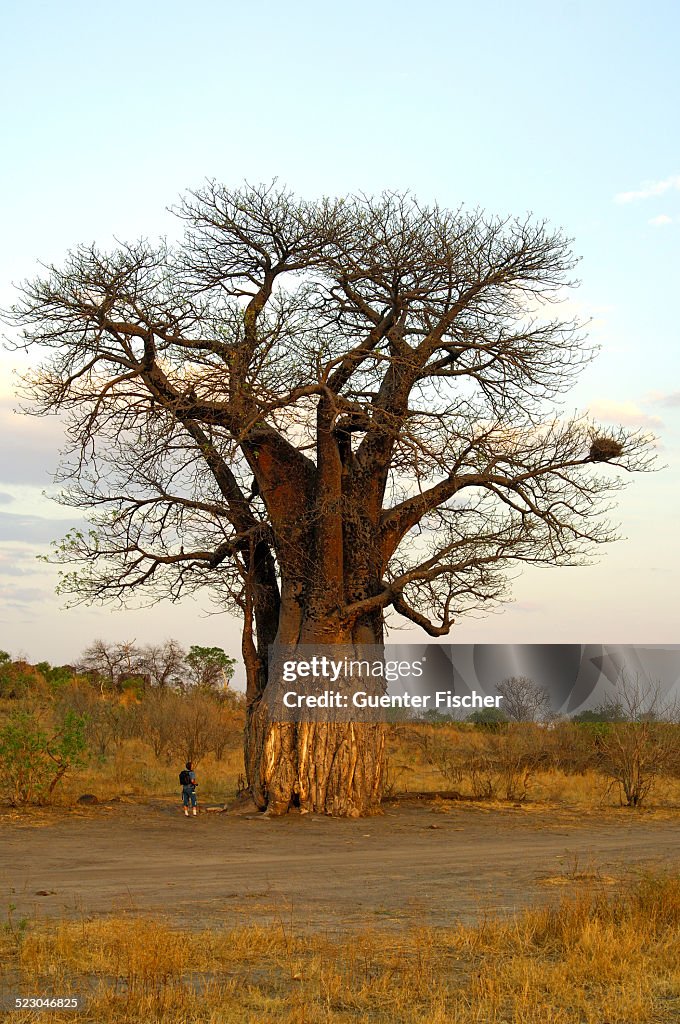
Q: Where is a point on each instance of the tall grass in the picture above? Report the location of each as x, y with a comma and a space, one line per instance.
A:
564, 763
133, 770
591, 958
421, 759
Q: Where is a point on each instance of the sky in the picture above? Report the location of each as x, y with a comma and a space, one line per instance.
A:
565, 110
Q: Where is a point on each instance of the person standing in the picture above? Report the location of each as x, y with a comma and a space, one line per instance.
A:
187, 778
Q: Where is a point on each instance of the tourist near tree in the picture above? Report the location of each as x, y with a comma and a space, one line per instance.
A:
322, 413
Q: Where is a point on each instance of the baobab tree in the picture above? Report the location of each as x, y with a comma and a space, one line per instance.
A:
321, 412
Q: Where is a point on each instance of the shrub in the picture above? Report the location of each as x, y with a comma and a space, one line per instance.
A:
56, 676
18, 679
635, 752
497, 763
488, 718
108, 720
188, 726
506, 762
158, 721
35, 758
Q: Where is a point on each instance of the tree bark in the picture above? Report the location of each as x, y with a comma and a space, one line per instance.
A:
325, 521
326, 767
334, 768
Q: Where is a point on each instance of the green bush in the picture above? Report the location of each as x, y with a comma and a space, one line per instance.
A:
56, 676
35, 758
492, 719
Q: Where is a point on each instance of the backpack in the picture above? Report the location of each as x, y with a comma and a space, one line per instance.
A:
184, 777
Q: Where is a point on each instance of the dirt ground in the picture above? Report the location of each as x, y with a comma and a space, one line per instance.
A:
228, 869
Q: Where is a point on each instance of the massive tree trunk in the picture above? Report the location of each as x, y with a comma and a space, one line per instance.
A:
327, 767
334, 767
326, 533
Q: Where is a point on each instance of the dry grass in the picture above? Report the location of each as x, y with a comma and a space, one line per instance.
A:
133, 770
412, 769
592, 790
591, 958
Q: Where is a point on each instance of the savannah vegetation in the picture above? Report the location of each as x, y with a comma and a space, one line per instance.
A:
122, 720
324, 414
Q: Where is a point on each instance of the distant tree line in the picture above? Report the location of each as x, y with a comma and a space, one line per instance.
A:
54, 720
117, 667
166, 666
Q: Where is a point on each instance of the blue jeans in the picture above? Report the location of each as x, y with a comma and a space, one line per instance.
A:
188, 796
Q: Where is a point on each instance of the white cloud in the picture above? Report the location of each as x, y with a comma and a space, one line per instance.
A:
669, 400
650, 189
20, 598
659, 221
628, 414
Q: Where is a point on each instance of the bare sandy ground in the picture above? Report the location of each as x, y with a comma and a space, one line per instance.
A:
409, 863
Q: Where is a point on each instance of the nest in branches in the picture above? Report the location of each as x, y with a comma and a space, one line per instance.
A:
602, 449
